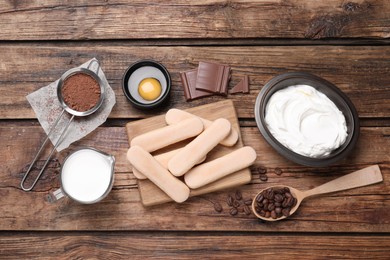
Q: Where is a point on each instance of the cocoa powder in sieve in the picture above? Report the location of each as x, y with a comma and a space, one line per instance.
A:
81, 92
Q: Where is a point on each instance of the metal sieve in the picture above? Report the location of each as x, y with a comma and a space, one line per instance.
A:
66, 108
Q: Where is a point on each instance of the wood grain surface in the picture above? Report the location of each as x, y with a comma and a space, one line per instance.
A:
56, 20
363, 72
121, 245
345, 42
359, 210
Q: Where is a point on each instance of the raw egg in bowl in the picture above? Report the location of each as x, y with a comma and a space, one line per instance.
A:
146, 84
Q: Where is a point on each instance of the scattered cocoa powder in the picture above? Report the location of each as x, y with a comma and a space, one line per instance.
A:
81, 92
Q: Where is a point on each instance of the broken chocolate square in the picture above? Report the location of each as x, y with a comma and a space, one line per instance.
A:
242, 86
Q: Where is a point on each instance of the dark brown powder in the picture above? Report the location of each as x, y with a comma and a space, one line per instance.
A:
81, 92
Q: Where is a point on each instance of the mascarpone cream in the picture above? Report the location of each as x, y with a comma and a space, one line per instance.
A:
305, 121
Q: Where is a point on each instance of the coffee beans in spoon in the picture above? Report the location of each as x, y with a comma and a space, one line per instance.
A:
274, 202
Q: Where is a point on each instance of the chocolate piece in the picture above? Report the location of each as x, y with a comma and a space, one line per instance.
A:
213, 77
242, 86
188, 79
225, 81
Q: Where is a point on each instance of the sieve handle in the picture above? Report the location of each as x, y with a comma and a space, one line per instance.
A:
40, 150
98, 66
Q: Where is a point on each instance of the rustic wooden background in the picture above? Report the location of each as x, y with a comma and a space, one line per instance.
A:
345, 42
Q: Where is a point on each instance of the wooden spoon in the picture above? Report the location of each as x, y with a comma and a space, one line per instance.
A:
363, 177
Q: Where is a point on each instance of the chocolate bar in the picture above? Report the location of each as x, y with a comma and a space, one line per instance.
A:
213, 77
188, 79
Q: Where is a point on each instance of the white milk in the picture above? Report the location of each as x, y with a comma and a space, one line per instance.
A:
86, 175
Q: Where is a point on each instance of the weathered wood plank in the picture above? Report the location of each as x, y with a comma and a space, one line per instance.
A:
362, 72
54, 20
190, 246
365, 209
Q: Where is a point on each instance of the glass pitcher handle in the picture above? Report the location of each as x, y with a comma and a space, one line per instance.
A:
56, 195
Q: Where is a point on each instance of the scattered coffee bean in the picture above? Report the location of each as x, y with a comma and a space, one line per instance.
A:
262, 170
218, 207
230, 200
233, 211
275, 203
247, 210
236, 204
278, 171
263, 177
238, 195
240, 209
248, 202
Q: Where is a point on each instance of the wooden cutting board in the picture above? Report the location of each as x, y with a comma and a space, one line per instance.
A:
150, 193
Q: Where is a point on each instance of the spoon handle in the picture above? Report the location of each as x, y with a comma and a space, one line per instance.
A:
363, 177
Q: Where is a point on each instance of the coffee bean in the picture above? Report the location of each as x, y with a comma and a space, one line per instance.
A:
273, 214
271, 207
286, 212
294, 202
278, 197
233, 211
267, 214
218, 207
236, 203
247, 210
230, 200
263, 177
248, 202
278, 204
262, 170
240, 209
285, 203
290, 202
278, 171
260, 198
238, 195
278, 210
271, 194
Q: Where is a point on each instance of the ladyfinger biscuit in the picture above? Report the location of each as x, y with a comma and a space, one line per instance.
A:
220, 167
163, 159
174, 116
148, 166
162, 137
199, 147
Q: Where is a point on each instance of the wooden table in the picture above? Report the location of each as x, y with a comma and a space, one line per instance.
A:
345, 42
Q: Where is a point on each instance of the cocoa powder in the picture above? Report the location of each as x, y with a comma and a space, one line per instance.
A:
81, 92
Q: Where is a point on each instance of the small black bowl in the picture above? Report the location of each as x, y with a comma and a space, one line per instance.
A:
332, 92
146, 105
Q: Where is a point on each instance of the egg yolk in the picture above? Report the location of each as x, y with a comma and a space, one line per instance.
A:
149, 89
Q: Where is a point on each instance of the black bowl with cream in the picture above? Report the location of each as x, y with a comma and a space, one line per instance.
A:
283, 84
148, 74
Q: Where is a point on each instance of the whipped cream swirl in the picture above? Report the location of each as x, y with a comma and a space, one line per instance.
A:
305, 121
